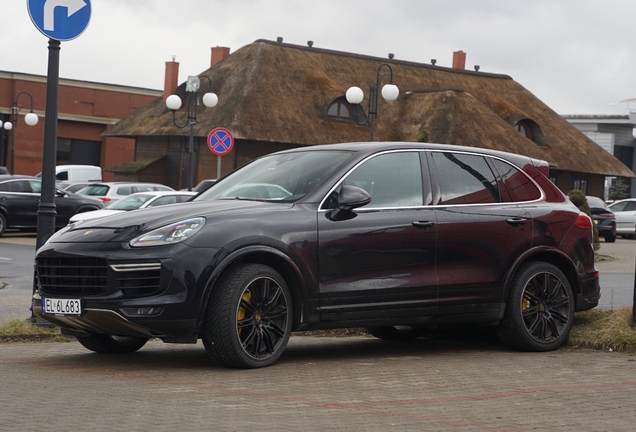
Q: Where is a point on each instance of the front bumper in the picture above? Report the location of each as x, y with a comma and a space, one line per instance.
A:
119, 295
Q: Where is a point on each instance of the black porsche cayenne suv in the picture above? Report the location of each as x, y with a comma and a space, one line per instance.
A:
389, 236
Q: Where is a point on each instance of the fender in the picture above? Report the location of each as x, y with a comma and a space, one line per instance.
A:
231, 258
526, 257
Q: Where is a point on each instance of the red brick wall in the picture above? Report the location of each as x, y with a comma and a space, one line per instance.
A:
78, 101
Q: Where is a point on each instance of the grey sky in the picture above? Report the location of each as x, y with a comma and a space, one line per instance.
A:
575, 55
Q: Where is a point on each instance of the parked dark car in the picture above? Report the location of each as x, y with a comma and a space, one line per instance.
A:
20, 200
603, 217
204, 185
388, 236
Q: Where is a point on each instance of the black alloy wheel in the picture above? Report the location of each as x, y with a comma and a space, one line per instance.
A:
540, 309
249, 317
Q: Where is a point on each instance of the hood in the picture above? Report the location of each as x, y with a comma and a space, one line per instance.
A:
125, 226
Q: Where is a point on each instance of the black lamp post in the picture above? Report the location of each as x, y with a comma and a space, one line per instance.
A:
355, 95
31, 119
173, 102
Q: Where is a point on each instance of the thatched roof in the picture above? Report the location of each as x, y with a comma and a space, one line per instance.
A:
277, 92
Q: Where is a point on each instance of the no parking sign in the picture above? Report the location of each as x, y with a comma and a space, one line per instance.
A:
220, 141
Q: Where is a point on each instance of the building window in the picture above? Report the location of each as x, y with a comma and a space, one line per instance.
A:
78, 152
524, 129
580, 183
531, 130
340, 110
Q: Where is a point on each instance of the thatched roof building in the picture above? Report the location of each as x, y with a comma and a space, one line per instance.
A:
274, 95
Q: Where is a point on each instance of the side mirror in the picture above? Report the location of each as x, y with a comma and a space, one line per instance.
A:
349, 198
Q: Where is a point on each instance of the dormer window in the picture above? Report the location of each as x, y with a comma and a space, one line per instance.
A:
340, 110
531, 130
524, 129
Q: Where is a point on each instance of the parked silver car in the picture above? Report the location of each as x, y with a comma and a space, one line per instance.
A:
110, 192
625, 213
136, 201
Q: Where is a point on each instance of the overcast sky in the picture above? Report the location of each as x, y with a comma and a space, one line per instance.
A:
575, 55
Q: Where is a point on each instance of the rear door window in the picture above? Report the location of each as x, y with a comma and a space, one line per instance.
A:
465, 179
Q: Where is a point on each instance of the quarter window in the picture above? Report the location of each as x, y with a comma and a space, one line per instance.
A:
465, 179
519, 186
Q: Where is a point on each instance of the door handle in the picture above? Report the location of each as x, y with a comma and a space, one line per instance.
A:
516, 221
424, 225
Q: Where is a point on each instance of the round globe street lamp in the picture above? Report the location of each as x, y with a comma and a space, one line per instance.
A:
173, 102
355, 95
31, 119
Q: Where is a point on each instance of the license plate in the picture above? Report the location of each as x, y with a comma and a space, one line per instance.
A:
61, 307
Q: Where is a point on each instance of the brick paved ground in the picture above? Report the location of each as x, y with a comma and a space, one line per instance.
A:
320, 384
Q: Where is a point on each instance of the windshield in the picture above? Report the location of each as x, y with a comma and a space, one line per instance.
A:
281, 177
131, 202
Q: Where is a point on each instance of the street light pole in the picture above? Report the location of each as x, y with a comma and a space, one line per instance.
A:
31, 119
355, 95
173, 102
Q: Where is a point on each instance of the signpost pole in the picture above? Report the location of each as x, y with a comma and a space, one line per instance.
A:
57, 27
46, 209
218, 167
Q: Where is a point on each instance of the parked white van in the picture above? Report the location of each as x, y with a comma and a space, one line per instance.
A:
77, 173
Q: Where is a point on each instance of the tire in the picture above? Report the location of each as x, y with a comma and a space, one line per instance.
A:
396, 333
249, 317
611, 237
107, 344
539, 310
3, 224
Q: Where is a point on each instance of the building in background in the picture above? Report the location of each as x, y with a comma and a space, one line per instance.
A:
275, 95
615, 134
86, 110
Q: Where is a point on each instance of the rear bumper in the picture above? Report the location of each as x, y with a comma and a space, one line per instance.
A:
590, 292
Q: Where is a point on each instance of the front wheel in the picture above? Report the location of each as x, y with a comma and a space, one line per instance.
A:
107, 344
249, 318
540, 309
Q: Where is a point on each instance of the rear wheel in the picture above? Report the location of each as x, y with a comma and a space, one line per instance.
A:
249, 317
540, 309
611, 237
3, 224
107, 344
396, 333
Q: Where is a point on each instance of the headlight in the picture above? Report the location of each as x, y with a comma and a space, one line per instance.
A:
169, 234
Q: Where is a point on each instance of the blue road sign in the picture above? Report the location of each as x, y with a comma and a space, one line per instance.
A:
220, 141
61, 20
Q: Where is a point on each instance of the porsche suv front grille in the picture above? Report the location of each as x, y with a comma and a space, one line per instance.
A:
94, 276
72, 276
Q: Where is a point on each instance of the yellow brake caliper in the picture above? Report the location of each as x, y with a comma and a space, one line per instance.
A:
247, 296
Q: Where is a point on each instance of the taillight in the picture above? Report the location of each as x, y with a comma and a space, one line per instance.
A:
583, 221
105, 199
606, 214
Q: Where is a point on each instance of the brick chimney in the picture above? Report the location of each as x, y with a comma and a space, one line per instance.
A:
171, 81
459, 60
218, 54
